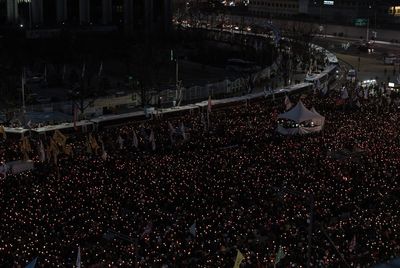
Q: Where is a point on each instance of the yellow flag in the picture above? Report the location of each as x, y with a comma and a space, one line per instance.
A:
239, 259
53, 147
27, 144
3, 131
93, 142
68, 150
59, 138
88, 146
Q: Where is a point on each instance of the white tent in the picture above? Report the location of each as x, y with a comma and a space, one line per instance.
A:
304, 121
321, 120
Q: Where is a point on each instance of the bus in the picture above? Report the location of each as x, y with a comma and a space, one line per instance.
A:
390, 59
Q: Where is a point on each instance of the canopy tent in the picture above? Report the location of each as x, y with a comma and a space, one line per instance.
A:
306, 121
321, 120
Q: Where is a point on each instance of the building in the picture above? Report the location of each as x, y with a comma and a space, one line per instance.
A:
355, 12
132, 15
274, 8
350, 12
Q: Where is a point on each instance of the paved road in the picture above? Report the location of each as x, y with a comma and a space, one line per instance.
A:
369, 66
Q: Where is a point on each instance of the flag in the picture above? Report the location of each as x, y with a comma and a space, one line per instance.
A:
152, 140
352, 244
27, 144
120, 141
135, 139
171, 132
68, 150
265, 92
100, 69
366, 93
55, 155
209, 106
32, 264
147, 229
171, 128
59, 138
280, 255
192, 229
78, 258
29, 124
88, 146
93, 143
288, 103
3, 170
48, 152
42, 154
54, 147
203, 122
183, 133
325, 89
239, 259
273, 94
75, 116
104, 155
344, 94
25, 147
3, 132
24, 151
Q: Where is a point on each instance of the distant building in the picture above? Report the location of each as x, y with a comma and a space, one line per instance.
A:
354, 11
132, 15
330, 11
274, 8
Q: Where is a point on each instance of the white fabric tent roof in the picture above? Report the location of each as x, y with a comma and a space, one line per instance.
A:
300, 113
315, 111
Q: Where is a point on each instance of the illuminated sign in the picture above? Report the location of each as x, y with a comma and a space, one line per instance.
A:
329, 3
360, 22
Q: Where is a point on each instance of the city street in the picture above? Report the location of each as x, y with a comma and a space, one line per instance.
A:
369, 66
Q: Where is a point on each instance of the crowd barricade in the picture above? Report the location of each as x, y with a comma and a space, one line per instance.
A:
222, 89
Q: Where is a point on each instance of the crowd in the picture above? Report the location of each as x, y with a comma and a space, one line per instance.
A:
195, 196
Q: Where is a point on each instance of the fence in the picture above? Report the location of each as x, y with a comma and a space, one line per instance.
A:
169, 97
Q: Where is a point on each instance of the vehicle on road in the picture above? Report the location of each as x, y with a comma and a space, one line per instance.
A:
351, 75
390, 59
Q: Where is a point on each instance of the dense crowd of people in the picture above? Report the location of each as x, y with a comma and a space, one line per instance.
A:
195, 193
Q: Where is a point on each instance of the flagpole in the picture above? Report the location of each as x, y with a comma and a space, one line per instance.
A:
63, 75
177, 79
208, 120
310, 229
45, 73
333, 244
136, 252
23, 94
